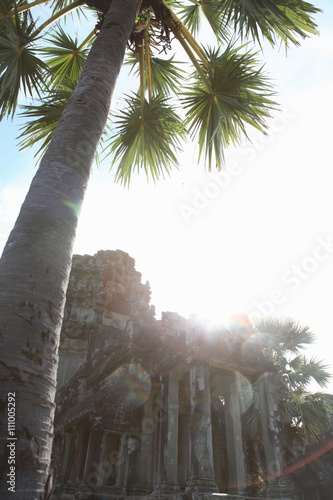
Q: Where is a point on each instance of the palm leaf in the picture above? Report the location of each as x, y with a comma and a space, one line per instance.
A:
194, 14
316, 370
271, 19
20, 68
147, 138
59, 5
7, 13
238, 94
166, 77
285, 335
44, 118
65, 57
316, 413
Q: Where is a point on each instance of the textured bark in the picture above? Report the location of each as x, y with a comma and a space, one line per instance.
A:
35, 264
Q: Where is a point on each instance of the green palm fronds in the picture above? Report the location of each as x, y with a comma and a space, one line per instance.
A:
59, 5
304, 415
23, 5
43, 118
20, 68
65, 57
195, 13
147, 138
316, 370
226, 94
238, 94
284, 336
65, 62
8, 8
274, 20
166, 76
315, 415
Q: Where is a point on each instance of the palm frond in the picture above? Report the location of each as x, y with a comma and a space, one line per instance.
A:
7, 13
316, 370
44, 118
195, 13
316, 413
65, 57
147, 138
285, 335
59, 5
238, 94
274, 20
166, 76
23, 5
296, 363
20, 68
74, 6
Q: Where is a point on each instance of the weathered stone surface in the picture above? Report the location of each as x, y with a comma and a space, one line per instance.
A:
142, 404
104, 297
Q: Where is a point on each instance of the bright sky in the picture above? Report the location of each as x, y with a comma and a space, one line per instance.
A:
257, 238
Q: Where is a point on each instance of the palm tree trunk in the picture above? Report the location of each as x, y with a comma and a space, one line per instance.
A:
36, 261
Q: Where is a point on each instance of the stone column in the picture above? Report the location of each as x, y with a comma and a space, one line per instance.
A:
94, 472
167, 452
237, 478
78, 458
201, 477
140, 449
277, 486
64, 474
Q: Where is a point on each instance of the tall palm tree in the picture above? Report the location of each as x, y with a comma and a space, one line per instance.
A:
227, 93
305, 416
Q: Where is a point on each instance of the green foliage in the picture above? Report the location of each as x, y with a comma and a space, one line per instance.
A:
147, 138
315, 414
166, 76
205, 10
284, 336
59, 5
20, 68
7, 8
65, 62
65, 58
226, 93
305, 416
271, 19
44, 117
237, 95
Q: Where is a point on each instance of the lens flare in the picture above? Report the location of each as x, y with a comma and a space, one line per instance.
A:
253, 346
245, 392
133, 383
75, 207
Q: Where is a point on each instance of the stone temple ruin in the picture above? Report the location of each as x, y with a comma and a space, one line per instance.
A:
149, 408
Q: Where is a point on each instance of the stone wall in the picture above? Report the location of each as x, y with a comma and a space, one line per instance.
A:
105, 292
155, 407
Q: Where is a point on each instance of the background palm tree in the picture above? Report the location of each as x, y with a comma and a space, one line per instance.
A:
305, 416
228, 93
